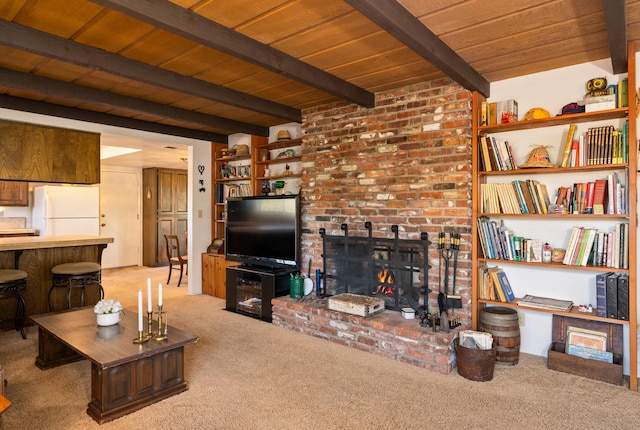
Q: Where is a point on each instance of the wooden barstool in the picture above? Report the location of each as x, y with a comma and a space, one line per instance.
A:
75, 275
12, 284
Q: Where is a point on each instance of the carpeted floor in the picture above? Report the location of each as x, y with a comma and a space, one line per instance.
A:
248, 374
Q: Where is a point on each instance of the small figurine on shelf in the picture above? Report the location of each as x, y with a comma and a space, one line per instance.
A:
287, 170
266, 188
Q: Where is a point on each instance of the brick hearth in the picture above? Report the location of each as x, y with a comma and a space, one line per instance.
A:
386, 334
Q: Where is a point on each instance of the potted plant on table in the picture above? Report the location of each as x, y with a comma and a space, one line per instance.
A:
108, 312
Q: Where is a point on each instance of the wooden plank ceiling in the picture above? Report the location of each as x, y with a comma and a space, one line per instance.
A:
209, 68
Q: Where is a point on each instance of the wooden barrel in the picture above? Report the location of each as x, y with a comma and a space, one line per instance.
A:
502, 323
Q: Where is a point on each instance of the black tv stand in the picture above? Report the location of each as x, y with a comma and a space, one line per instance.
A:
251, 288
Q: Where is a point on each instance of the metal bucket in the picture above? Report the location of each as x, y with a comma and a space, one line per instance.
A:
475, 364
502, 323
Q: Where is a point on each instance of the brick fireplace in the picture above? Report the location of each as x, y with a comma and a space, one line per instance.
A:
405, 162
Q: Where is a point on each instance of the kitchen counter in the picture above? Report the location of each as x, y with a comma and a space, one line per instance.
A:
41, 242
36, 255
9, 232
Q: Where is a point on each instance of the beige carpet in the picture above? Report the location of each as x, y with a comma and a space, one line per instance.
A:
248, 374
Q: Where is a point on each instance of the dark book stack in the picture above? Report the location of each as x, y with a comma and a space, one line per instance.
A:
612, 295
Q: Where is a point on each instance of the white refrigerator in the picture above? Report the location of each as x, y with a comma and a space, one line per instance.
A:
63, 210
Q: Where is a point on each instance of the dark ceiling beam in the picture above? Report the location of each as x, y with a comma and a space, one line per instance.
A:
188, 24
110, 100
400, 23
615, 16
50, 46
44, 108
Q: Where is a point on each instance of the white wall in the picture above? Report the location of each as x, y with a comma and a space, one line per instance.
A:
199, 202
550, 90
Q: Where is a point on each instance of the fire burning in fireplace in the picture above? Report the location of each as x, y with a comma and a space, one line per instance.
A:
386, 279
393, 269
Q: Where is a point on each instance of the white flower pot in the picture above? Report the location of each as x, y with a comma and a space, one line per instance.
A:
109, 319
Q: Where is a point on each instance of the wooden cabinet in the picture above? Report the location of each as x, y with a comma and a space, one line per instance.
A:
35, 153
558, 280
214, 274
13, 193
164, 212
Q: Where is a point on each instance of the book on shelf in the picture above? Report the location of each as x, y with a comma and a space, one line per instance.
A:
623, 92
567, 145
599, 196
484, 153
545, 303
493, 273
601, 294
623, 297
590, 353
612, 296
484, 113
586, 338
501, 284
534, 251
493, 114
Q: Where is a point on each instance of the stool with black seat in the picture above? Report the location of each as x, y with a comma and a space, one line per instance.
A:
12, 284
75, 275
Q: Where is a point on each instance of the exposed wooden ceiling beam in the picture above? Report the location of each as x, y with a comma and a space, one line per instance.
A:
50, 109
188, 24
50, 46
65, 90
397, 21
615, 16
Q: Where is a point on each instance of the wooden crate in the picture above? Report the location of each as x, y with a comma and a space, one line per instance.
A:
355, 304
557, 359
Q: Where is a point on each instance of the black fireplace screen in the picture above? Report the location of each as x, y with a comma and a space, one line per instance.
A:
395, 270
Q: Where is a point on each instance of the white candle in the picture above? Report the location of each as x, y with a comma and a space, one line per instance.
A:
159, 294
139, 310
149, 306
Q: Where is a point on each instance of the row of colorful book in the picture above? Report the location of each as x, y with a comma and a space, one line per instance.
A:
494, 285
516, 197
590, 247
496, 154
500, 243
597, 146
602, 196
612, 295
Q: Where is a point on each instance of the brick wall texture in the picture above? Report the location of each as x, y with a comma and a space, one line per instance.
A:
407, 161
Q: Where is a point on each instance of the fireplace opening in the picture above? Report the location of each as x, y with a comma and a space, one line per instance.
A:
392, 269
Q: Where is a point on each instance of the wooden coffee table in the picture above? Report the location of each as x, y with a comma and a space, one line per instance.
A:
125, 376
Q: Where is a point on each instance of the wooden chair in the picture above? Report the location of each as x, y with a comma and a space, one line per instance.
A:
175, 258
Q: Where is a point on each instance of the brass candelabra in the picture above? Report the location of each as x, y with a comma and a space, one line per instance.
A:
161, 334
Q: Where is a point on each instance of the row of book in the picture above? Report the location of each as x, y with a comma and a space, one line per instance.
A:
224, 191
612, 295
590, 247
599, 145
502, 112
590, 344
496, 155
494, 285
602, 196
516, 197
500, 243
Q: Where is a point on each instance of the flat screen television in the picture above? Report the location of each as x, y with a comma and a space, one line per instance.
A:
263, 231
